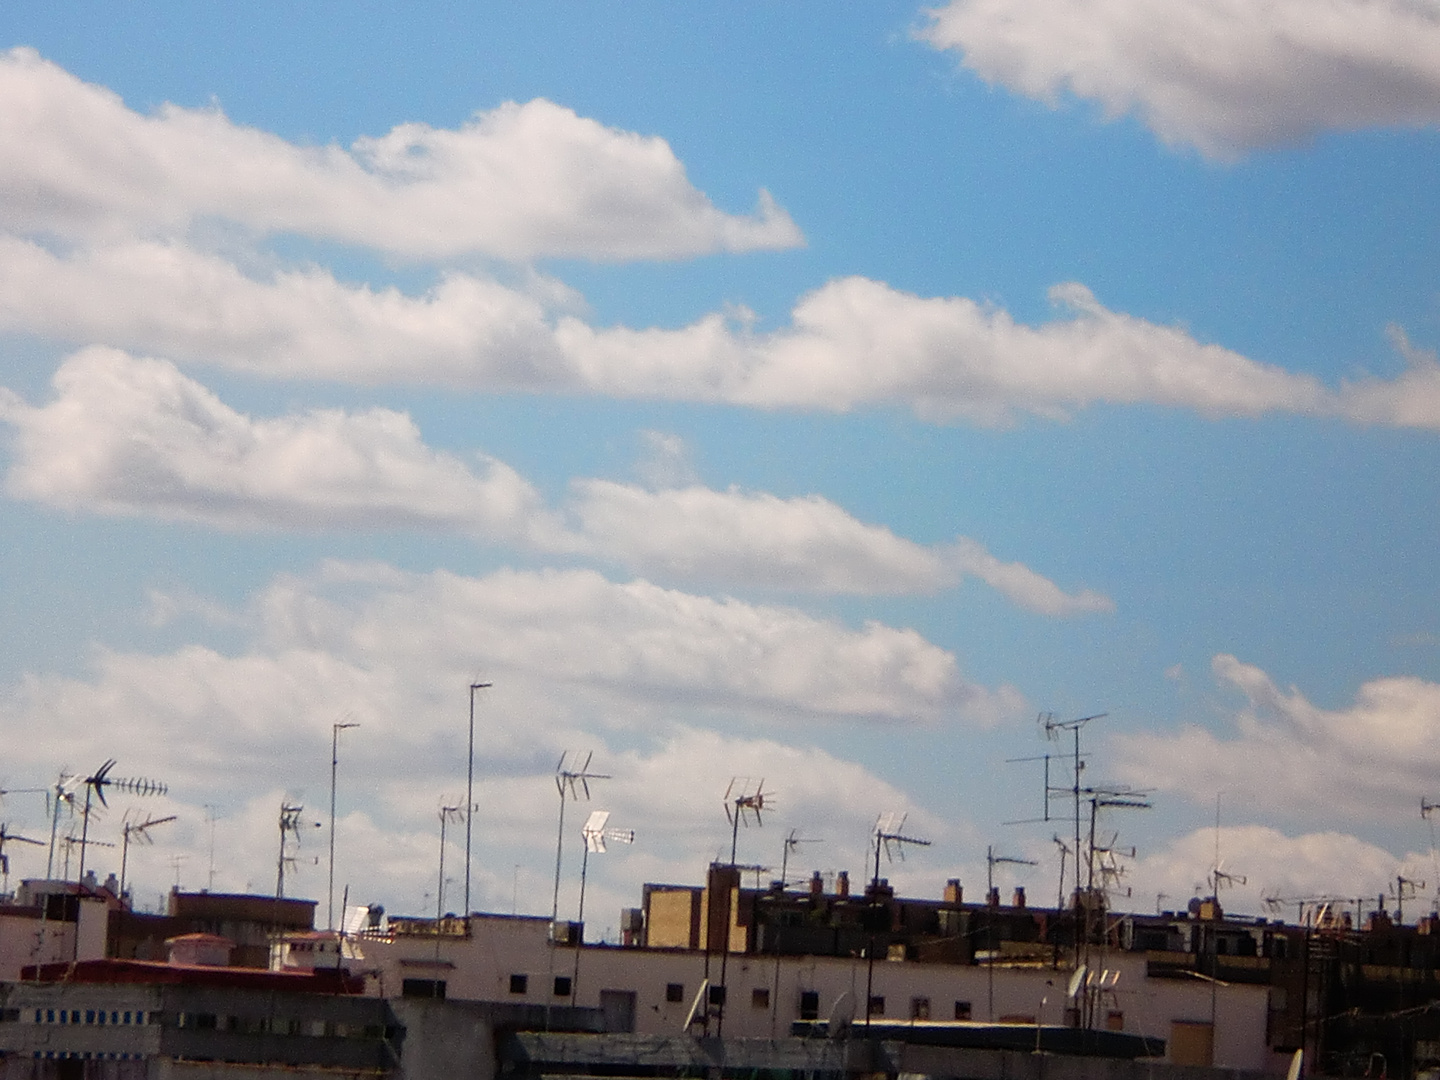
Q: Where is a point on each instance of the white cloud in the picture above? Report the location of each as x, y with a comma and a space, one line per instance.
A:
1276, 867
517, 182
131, 436
1223, 76
1367, 763
635, 672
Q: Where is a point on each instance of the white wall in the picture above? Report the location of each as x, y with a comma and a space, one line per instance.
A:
480, 968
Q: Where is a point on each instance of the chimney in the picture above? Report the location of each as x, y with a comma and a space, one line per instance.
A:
1019, 900
817, 885
994, 898
842, 884
953, 893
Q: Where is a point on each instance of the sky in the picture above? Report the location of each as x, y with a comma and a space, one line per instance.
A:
751, 394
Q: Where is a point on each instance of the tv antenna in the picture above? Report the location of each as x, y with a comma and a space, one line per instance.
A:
291, 825
744, 801
1064, 852
890, 835
6, 837
140, 832
595, 832
992, 901
62, 794
572, 778
1405, 889
137, 833
95, 785
792, 843
448, 812
1053, 730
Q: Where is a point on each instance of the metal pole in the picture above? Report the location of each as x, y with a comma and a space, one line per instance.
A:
470, 789
575, 975
335, 730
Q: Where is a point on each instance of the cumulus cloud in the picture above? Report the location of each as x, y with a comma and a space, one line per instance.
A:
519, 182
130, 436
642, 675
853, 343
1367, 763
1279, 870
136, 436
1223, 76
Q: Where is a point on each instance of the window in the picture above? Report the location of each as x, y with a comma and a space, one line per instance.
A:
809, 1005
423, 988
877, 1005
920, 1008
563, 986
674, 991
1115, 1020
89, 1016
760, 997
519, 983
962, 1010
717, 995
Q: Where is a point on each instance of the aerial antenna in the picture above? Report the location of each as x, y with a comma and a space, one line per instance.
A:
792, 843
448, 812
291, 825
1426, 811
1405, 888
744, 801
6, 837
137, 833
1217, 876
890, 835
1064, 851
1053, 729
992, 900
62, 794
572, 778
95, 785
140, 833
594, 832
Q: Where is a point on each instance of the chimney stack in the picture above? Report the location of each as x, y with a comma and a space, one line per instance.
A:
953, 893
1019, 900
842, 884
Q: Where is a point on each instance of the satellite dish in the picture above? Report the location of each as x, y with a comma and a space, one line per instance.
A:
842, 1015
1077, 980
1297, 1063
697, 1007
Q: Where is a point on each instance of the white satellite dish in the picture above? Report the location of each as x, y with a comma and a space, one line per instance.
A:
1297, 1063
1077, 980
842, 1015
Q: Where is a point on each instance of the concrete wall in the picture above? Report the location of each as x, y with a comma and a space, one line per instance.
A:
480, 968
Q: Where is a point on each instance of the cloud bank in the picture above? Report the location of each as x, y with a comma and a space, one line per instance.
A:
1365, 764
1223, 76
137, 437
519, 182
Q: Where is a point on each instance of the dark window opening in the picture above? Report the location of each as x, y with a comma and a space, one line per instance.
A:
423, 988
920, 1008
760, 997
717, 995
809, 1005
562, 986
877, 1005
674, 991
519, 983
962, 1010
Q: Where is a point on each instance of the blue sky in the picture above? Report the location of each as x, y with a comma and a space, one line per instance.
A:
751, 390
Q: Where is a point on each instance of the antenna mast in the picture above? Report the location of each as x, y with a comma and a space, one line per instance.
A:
567, 779
889, 834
